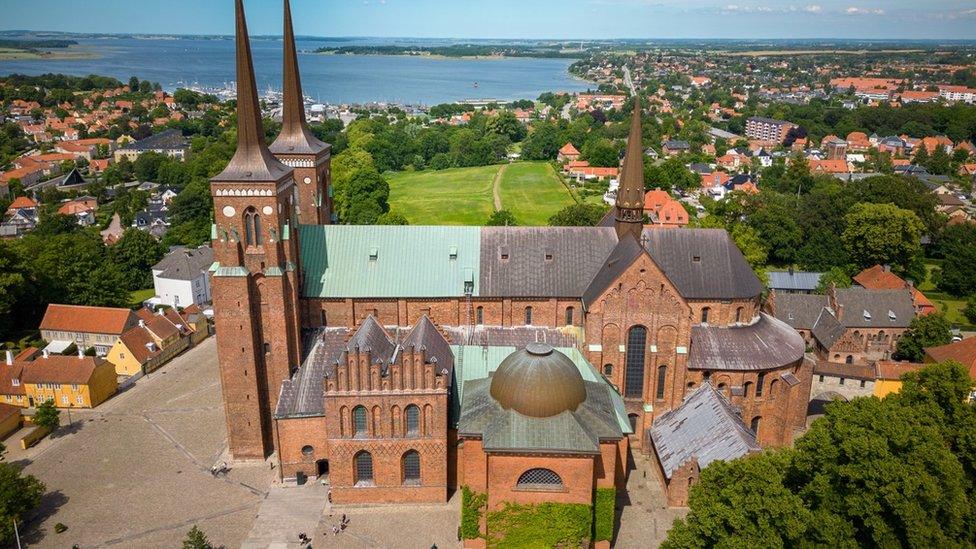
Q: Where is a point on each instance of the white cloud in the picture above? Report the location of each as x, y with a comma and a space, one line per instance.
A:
854, 10
813, 8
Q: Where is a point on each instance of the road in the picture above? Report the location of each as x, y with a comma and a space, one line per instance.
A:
629, 81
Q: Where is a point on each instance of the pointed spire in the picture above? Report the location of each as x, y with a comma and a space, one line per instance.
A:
252, 161
295, 136
630, 194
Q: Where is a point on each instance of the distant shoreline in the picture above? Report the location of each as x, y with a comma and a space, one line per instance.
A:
71, 53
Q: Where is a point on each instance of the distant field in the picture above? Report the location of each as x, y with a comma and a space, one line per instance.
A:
13, 54
463, 196
533, 192
460, 196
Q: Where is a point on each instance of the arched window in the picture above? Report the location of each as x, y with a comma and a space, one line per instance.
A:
252, 227
754, 425
760, 379
608, 369
411, 468
634, 373
738, 315
704, 314
363, 466
528, 316
746, 387
633, 422
412, 413
570, 313
359, 422
662, 379
849, 359
539, 478
479, 315
772, 388
721, 387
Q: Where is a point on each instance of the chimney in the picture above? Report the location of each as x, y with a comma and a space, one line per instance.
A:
45, 353
10, 357
142, 323
81, 353
791, 270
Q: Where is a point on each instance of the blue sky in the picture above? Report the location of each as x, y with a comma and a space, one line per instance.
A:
949, 19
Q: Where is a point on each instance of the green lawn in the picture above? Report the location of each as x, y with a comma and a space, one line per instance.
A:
137, 297
951, 306
532, 191
459, 196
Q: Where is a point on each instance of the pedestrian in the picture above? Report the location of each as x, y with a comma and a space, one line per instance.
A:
335, 530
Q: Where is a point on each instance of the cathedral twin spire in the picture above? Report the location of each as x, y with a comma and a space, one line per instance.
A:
629, 210
253, 160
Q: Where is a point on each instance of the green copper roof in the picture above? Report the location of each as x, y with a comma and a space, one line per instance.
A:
377, 261
231, 271
478, 362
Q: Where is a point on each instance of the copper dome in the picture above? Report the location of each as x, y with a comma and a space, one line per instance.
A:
538, 381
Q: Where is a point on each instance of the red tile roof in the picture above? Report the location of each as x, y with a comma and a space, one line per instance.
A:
60, 369
963, 352
91, 320
568, 150
892, 371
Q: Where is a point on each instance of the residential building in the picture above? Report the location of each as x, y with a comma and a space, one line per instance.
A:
880, 277
85, 327
793, 282
568, 153
963, 352
69, 381
663, 211
169, 142
182, 277
674, 147
147, 346
958, 93
888, 375
768, 129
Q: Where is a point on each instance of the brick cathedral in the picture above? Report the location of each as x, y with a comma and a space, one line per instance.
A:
524, 362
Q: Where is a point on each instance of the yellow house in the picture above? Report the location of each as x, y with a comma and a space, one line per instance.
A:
10, 419
888, 376
70, 381
149, 345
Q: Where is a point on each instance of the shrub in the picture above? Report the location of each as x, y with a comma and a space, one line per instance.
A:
542, 525
60, 528
603, 513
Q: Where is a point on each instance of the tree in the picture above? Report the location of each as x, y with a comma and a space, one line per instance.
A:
940, 162
578, 215
921, 157
969, 310
13, 289
135, 254
392, 218
882, 234
924, 331
501, 218
601, 152
345, 165
47, 416
957, 244
506, 124
542, 143
19, 495
752, 247
835, 277
367, 199
773, 217
743, 503
196, 539
73, 268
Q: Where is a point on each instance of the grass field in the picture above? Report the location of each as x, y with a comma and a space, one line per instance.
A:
532, 191
460, 196
952, 307
137, 297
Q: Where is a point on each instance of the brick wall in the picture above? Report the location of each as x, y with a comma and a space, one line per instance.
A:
504, 471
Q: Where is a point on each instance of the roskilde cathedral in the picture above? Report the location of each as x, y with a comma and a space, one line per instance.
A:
523, 362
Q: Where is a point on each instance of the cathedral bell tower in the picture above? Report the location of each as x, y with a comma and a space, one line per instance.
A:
629, 210
255, 279
297, 147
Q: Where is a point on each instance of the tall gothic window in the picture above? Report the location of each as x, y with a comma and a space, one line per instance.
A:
363, 463
413, 420
479, 315
704, 314
411, 468
570, 313
359, 422
528, 316
760, 381
662, 379
634, 373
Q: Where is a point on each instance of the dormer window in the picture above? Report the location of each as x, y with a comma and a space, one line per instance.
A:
696, 258
374, 254
548, 257
867, 315
892, 316
15, 382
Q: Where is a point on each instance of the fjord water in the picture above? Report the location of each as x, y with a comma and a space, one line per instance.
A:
327, 78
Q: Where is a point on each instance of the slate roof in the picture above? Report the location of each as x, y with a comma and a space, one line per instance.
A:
706, 427
185, 263
885, 308
827, 329
799, 310
574, 256
170, 139
720, 272
803, 281
765, 344
623, 256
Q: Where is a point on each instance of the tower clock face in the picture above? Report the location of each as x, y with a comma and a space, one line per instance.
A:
268, 210
308, 180
229, 211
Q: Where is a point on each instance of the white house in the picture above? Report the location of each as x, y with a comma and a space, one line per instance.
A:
182, 277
